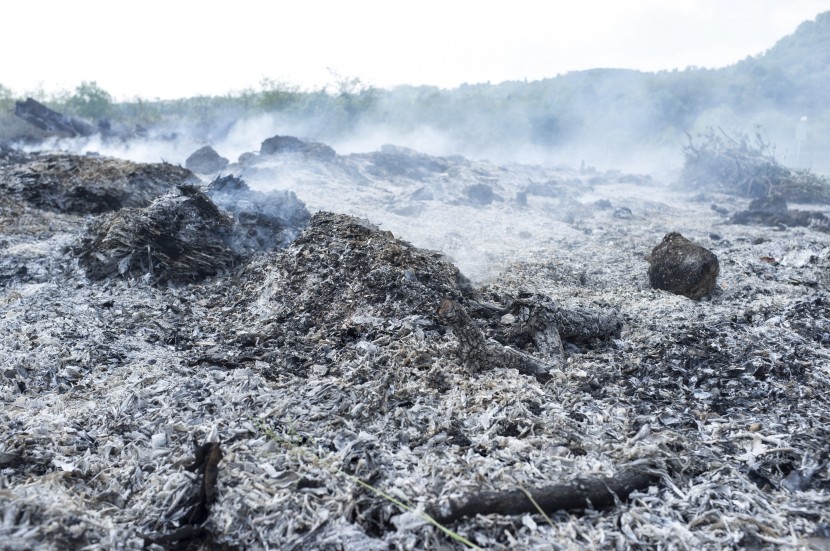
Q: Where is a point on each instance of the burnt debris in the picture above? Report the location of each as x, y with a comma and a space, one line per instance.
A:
579, 495
773, 211
37, 114
329, 367
339, 276
746, 166
75, 184
182, 236
682, 267
262, 221
185, 235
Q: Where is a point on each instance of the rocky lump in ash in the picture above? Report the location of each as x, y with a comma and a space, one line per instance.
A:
205, 160
60, 182
276, 145
682, 267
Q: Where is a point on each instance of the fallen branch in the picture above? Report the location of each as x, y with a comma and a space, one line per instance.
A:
579, 495
477, 354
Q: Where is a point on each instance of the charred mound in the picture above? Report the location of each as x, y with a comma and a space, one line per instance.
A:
61, 182
342, 269
182, 236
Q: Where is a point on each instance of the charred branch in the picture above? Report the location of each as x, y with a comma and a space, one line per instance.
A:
747, 167
579, 495
46, 119
477, 354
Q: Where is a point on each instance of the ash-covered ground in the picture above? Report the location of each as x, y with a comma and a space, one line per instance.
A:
222, 386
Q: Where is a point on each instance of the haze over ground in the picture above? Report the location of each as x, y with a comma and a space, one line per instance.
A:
157, 49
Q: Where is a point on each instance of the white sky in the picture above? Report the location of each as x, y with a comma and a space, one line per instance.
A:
179, 48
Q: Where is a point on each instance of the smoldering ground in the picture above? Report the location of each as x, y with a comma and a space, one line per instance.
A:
322, 385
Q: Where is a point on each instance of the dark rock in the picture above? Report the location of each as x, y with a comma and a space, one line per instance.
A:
401, 162
182, 236
262, 221
205, 160
481, 194
88, 185
681, 267
288, 144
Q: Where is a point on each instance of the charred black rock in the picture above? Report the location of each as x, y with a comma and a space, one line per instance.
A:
182, 236
262, 221
682, 267
88, 185
289, 144
205, 160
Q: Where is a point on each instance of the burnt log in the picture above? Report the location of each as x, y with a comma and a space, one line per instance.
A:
579, 495
39, 115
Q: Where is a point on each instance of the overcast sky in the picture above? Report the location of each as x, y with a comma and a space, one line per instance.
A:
179, 48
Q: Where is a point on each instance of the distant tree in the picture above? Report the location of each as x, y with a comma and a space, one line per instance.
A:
90, 101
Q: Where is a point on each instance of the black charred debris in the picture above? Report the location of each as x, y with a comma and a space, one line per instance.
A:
61, 182
37, 114
342, 273
773, 211
746, 167
185, 235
